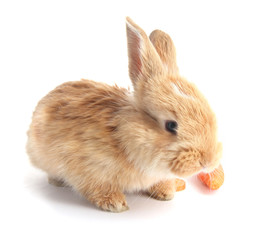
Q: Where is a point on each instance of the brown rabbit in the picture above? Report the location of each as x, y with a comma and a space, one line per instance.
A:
104, 140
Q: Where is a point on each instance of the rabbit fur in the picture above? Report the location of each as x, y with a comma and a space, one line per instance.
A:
104, 141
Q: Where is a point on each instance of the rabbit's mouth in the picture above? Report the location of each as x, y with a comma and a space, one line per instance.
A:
186, 165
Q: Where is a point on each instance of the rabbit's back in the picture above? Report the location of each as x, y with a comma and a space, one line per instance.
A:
73, 126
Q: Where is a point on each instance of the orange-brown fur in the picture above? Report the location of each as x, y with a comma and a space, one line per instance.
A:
163, 190
104, 140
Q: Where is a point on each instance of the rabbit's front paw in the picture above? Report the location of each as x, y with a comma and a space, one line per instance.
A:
163, 190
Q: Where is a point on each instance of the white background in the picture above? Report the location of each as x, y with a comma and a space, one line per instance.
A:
45, 43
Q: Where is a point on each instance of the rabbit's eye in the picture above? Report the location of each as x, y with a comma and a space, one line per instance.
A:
171, 126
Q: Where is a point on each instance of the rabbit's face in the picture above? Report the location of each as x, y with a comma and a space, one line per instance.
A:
188, 128
198, 145
187, 140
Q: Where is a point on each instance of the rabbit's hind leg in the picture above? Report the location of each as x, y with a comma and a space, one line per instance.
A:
104, 198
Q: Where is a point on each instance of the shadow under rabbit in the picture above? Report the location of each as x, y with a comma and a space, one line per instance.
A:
61, 195
139, 202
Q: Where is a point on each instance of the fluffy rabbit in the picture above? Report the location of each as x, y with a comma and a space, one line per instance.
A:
104, 140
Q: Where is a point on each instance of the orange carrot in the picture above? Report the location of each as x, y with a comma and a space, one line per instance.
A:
179, 184
214, 179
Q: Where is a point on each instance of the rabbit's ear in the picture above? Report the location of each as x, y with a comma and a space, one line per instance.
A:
166, 50
144, 61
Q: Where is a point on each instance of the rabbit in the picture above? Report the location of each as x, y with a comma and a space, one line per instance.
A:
105, 141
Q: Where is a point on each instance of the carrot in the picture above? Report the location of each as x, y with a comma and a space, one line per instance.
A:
214, 179
179, 184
